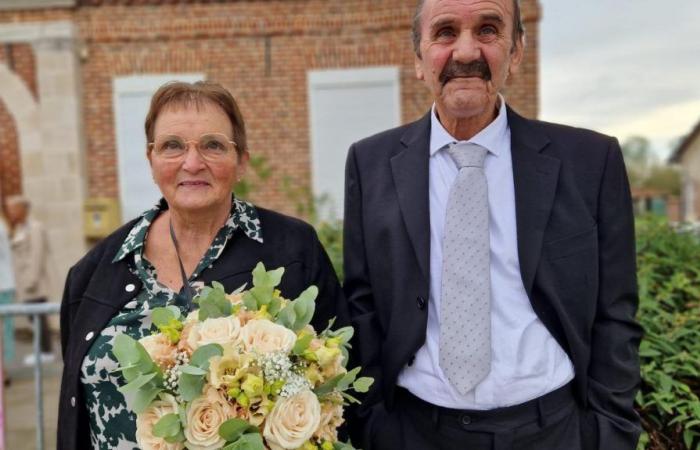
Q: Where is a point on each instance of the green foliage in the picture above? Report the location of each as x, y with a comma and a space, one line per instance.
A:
169, 428
669, 288
644, 170
213, 302
144, 378
240, 435
193, 375
298, 313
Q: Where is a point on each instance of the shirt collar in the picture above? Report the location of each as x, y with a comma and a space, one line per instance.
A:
489, 138
243, 215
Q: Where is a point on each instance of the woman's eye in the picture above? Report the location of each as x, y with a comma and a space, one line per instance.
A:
172, 145
214, 145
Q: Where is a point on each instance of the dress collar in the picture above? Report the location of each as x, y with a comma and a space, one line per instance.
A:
243, 215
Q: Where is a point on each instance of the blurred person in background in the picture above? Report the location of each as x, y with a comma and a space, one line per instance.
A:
198, 233
7, 291
30, 254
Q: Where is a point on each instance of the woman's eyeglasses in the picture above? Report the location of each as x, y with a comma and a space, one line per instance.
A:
211, 146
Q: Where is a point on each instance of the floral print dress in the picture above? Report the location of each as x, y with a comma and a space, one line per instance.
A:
112, 424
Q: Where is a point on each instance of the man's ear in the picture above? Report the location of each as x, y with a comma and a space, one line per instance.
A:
417, 62
516, 57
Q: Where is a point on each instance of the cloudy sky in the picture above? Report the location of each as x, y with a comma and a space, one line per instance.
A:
623, 67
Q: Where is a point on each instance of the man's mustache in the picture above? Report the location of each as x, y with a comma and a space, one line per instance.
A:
454, 69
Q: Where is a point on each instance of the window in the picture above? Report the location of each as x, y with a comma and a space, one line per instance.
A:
131, 99
345, 106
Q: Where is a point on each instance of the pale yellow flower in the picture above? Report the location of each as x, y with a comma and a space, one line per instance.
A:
263, 336
161, 349
145, 421
331, 419
205, 414
224, 331
292, 421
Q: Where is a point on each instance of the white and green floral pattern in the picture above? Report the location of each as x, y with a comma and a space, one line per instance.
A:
112, 424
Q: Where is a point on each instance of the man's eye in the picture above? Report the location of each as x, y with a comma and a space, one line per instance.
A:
445, 32
488, 30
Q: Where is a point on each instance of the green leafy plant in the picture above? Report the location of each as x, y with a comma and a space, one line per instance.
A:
669, 311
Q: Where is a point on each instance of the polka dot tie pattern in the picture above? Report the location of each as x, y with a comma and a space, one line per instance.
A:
465, 306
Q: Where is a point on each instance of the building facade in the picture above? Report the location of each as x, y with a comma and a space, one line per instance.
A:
687, 157
310, 76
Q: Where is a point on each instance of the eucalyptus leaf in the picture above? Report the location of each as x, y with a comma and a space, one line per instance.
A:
192, 370
143, 398
162, 316
213, 303
190, 386
137, 383
363, 384
233, 429
301, 344
200, 357
348, 379
167, 426
248, 441
329, 385
132, 357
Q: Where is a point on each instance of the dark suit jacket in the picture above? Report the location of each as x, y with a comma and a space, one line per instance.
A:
575, 233
95, 292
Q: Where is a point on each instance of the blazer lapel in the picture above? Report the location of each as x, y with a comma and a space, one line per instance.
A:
535, 176
409, 169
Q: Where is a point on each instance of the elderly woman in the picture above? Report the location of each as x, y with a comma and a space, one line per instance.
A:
199, 231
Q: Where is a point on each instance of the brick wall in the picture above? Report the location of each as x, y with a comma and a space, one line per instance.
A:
260, 50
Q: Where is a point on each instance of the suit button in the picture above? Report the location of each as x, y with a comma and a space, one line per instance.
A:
412, 360
130, 287
89, 336
72, 402
465, 419
421, 302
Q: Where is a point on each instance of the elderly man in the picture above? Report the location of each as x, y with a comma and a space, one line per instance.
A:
489, 261
30, 254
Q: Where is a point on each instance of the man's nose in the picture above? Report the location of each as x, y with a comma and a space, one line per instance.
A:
466, 48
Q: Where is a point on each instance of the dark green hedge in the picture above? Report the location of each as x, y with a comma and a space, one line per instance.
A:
669, 287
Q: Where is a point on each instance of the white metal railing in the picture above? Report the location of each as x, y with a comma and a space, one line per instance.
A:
34, 311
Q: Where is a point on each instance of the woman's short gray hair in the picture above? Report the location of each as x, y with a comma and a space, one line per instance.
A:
518, 27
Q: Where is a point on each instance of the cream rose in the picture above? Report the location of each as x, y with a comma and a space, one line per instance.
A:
147, 419
221, 330
292, 421
205, 414
264, 336
161, 350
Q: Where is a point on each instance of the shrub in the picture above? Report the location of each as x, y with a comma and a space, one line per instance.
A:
669, 287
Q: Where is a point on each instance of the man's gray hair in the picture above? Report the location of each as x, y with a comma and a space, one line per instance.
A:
518, 27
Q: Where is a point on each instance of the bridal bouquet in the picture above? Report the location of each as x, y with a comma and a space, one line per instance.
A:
246, 371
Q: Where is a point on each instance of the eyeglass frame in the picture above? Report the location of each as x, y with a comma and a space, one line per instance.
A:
152, 145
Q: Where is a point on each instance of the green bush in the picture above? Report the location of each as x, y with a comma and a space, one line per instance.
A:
669, 287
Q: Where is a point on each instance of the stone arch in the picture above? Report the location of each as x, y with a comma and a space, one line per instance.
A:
24, 110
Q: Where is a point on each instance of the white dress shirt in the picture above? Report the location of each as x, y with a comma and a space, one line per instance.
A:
527, 362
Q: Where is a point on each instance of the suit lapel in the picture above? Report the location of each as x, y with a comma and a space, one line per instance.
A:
409, 169
535, 176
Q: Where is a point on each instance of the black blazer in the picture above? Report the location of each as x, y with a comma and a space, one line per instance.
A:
95, 292
575, 232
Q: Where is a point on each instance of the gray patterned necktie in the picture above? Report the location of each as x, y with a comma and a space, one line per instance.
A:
465, 306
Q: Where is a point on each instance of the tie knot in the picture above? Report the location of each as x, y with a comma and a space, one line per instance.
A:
466, 154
